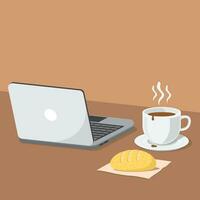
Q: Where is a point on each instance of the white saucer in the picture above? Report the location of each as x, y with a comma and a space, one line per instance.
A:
143, 142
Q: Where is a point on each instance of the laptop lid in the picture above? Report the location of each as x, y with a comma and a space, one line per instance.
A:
50, 114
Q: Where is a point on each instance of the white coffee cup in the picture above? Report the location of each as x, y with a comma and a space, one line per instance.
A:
163, 129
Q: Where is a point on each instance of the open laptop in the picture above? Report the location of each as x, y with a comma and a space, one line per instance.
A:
60, 115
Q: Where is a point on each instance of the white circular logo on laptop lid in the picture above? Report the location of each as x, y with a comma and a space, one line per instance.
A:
50, 115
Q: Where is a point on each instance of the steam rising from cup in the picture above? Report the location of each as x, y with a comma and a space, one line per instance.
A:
162, 94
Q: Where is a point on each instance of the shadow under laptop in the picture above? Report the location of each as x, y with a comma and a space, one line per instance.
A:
94, 148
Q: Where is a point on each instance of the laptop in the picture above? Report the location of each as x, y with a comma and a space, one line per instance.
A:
60, 115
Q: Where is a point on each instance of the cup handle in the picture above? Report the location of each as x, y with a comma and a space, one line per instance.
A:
188, 124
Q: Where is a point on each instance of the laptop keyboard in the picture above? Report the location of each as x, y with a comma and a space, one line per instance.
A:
100, 130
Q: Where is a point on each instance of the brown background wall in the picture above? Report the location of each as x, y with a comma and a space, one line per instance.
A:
115, 50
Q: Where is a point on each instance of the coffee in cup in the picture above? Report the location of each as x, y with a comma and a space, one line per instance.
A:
161, 114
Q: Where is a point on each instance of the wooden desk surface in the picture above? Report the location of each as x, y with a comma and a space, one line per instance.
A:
31, 171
